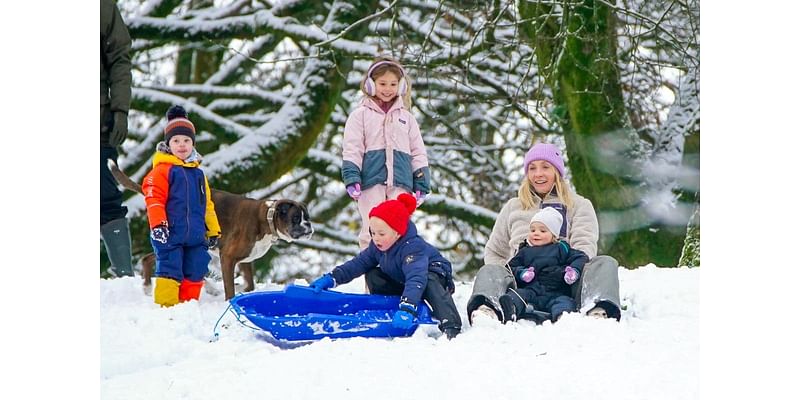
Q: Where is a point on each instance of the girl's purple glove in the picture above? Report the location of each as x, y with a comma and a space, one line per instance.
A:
570, 275
420, 197
527, 275
354, 191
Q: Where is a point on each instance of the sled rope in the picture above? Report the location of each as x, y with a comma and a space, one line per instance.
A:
215, 336
244, 323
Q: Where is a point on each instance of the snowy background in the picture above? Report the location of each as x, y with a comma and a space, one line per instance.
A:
272, 126
147, 352
56, 330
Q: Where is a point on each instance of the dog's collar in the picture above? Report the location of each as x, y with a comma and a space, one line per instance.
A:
270, 216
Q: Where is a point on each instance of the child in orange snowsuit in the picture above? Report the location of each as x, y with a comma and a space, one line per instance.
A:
181, 214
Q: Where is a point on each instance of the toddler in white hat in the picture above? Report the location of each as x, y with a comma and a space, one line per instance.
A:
545, 269
545, 227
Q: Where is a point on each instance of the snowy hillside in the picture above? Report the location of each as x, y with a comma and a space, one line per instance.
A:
152, 353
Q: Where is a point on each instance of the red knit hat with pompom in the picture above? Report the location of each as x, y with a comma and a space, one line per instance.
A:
396, 213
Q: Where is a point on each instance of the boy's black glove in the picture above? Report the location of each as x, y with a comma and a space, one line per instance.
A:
120, 130
160, 234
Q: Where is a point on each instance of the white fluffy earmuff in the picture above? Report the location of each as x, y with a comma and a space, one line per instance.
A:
369, 85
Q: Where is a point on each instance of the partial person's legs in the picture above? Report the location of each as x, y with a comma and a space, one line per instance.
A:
379, 283
169, 273
369, 198
113, 224
393, 191
559, 305
491, 282
599, 288
442, 305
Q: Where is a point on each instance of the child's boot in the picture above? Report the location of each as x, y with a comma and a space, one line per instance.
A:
190, 290
509, 309
166, 292
451, 332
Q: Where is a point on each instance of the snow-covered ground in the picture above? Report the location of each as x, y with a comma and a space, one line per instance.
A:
147, 352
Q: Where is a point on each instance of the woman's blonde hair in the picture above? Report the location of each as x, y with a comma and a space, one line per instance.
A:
526, 193
395, 68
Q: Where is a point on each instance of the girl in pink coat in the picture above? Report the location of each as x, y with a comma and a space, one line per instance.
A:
383, 154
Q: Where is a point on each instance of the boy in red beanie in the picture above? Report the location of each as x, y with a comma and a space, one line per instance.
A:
397, 261
183, 223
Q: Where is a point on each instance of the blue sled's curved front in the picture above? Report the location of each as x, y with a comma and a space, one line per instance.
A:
298, 313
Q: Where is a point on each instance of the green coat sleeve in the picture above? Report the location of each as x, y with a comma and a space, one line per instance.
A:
115, 59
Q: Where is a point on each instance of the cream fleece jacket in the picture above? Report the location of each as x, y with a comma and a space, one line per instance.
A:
513, 224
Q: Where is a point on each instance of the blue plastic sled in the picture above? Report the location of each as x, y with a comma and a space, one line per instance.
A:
297, 313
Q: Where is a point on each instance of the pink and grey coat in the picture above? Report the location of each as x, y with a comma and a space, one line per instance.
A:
376, 142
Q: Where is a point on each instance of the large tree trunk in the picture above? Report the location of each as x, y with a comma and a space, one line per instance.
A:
577, 54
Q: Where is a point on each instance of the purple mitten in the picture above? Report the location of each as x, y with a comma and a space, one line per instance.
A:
570, 275
527, 275
354, 191
420, 197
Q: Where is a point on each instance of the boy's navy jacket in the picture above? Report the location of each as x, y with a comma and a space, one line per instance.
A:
549, 263
407, 261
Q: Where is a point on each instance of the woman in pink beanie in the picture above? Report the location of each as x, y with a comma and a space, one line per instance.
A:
397, 261
543, 186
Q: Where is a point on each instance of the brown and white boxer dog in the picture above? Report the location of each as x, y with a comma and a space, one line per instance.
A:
249, 228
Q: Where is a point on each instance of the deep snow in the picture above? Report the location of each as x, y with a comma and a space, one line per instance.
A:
147, 352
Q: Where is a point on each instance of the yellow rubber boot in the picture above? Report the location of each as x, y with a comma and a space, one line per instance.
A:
166, 292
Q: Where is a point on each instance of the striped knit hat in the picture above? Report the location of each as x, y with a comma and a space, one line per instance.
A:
178, 124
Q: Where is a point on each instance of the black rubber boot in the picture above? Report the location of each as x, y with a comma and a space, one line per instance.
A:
117, 239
